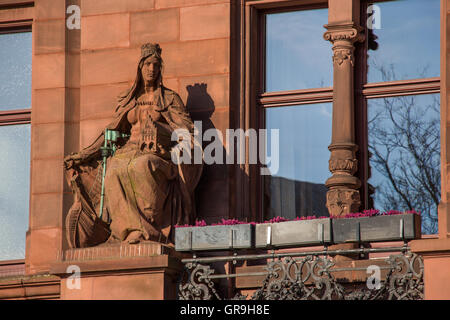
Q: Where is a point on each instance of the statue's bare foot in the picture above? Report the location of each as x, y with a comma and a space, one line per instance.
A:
134, 237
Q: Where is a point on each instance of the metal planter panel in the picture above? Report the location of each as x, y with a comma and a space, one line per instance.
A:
227, 237
378, 228
293, 233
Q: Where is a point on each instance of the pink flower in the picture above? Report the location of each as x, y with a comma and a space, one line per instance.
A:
276, 220
182, 226
375, 212
391, 212
200, 223
371, 212
365, 213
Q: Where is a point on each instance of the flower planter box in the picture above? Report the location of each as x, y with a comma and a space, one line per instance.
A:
222, 237
378, 228
293, 233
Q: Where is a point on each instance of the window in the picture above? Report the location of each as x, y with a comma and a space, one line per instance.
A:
288, 74
296, 95
15, 118
298, 188
399, 108
297, 57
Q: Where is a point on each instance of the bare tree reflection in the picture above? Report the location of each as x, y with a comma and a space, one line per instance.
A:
404, 142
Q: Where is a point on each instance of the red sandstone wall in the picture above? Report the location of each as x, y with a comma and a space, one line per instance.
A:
77, 75
55, 92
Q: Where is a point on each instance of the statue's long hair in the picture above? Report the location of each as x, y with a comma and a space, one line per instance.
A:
138, 85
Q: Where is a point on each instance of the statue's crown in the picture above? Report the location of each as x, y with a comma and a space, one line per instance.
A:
150, 49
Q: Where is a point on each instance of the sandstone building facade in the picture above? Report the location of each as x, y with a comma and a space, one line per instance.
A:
234, 66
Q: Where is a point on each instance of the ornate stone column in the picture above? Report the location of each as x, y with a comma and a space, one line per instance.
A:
343, 194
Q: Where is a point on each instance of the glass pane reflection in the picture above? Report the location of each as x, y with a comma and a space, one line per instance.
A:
297, 57
404, 143
14, 190
408, 41
15, 64
298, 188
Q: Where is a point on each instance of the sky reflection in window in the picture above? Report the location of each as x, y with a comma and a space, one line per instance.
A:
15, 75
297, 56
408, 41
14, 190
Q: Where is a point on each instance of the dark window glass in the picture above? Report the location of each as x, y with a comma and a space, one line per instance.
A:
407, 43
297, 56
298, 187
14, 190
15, 75
404, 143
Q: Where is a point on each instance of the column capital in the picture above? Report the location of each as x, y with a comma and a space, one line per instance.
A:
347, 32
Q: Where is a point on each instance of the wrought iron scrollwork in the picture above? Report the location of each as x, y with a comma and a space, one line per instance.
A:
307, 278
405, 279
311, 278
313, 281
196, 284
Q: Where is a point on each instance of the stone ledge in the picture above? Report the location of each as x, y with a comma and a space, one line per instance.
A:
120, 265
120, 272
119, 258
119, 250
30, 287
12, 268
431, 246
16, 14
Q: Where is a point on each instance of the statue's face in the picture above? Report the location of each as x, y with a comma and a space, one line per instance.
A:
150, 69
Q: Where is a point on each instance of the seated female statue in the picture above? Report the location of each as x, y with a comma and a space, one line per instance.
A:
145, 192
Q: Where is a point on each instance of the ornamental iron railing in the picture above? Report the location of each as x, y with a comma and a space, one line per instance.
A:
308, 276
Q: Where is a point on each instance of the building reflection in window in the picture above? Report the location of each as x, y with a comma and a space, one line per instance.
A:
298, 188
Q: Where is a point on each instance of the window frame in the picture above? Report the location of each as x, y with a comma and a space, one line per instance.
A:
364, 91
246, 182
248, 185
9, 25
287, 98
17, 17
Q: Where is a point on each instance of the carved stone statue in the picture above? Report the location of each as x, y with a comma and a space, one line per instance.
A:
145, 192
